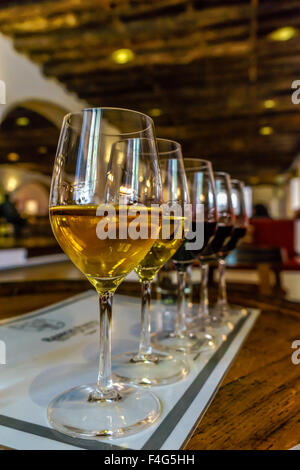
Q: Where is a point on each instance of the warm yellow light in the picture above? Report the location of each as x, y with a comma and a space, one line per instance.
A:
11, 184
22, 121
268, 104
238, 144
42, 149
31, 207
122, 56
266, 130
253, 180
126, 190
13, 157
283, 34
155, 112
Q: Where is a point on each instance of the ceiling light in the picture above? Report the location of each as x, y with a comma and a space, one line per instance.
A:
253, 180
238, 144
13, 157
11, 184
42, 149
122, 56
283, 34
266, 130
269, 104
22, 121
155, 112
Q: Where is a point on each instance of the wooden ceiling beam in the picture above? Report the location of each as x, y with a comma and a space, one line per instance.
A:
42, 18
223, 92
10, 139
96, 44
153, 59
66, 14
287, 123
197, 56
53, 9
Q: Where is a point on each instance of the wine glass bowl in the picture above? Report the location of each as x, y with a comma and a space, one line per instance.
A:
204, 218
226, 218
239, 231
145, 366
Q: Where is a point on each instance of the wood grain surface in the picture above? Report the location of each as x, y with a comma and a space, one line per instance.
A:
258, 403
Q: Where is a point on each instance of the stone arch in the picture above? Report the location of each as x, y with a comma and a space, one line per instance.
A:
32, 198
51, 111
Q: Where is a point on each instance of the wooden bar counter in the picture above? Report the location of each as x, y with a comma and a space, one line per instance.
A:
258, 403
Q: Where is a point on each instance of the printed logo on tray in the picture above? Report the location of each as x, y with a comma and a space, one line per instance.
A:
296, 353
2, 353
42, 324
39, 324
87, 328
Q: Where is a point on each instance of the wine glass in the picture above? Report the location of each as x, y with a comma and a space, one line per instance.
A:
239, 231
146, 367
204, 221
105, 177
207, 317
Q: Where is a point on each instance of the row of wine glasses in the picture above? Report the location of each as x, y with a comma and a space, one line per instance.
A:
110, 181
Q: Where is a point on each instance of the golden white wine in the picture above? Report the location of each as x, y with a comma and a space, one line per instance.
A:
162, 250
104, 262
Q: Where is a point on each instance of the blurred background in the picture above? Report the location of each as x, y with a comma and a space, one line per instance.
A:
215, 75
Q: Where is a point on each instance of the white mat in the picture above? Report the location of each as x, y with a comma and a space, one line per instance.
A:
53, 349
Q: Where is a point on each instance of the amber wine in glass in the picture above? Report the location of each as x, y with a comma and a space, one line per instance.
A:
104, 262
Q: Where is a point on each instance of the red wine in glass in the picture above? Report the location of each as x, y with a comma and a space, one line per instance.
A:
237, 235
183, 256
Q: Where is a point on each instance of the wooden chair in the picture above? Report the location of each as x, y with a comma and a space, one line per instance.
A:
264, 259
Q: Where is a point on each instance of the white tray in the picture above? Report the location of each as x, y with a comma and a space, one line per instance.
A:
55, 348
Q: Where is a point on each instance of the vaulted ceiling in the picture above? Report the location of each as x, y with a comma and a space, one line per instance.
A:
216, 75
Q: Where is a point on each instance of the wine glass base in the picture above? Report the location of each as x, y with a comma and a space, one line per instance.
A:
235, 310
211, 325
229, 311
187, 342
155, 369
75, 414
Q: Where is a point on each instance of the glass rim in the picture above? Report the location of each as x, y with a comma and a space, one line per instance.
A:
237, 181
198, 168
222, 173
178, 145
112, 108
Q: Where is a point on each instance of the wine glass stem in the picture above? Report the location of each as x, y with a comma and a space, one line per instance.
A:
105, 390
180, 326
204, 301
222, 291
145, 342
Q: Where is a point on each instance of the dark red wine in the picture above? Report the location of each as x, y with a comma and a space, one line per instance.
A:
238, 233
187, 256
222, 236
